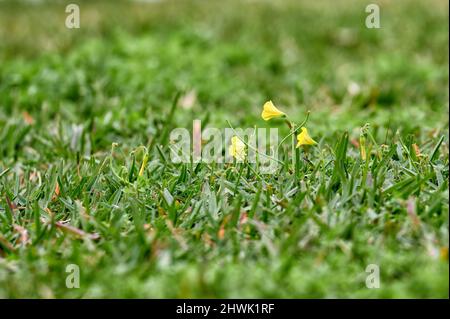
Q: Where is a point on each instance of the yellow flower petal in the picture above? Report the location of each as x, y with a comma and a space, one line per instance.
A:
237, 148
304, 139
270, 111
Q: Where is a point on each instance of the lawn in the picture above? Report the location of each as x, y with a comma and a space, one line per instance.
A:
86, 176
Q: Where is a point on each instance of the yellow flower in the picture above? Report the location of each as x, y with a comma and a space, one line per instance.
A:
237, 148
270, 111
304, 139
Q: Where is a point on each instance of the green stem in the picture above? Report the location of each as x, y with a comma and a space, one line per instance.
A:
252, 148
294, 131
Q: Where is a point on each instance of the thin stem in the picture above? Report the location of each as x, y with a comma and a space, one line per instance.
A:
294, 131
254, 149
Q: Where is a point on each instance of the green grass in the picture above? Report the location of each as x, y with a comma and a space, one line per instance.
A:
188, 230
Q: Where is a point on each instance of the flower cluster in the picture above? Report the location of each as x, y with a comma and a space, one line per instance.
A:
237, 148
270, 111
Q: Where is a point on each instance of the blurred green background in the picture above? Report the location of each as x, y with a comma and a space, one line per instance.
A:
117, 76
